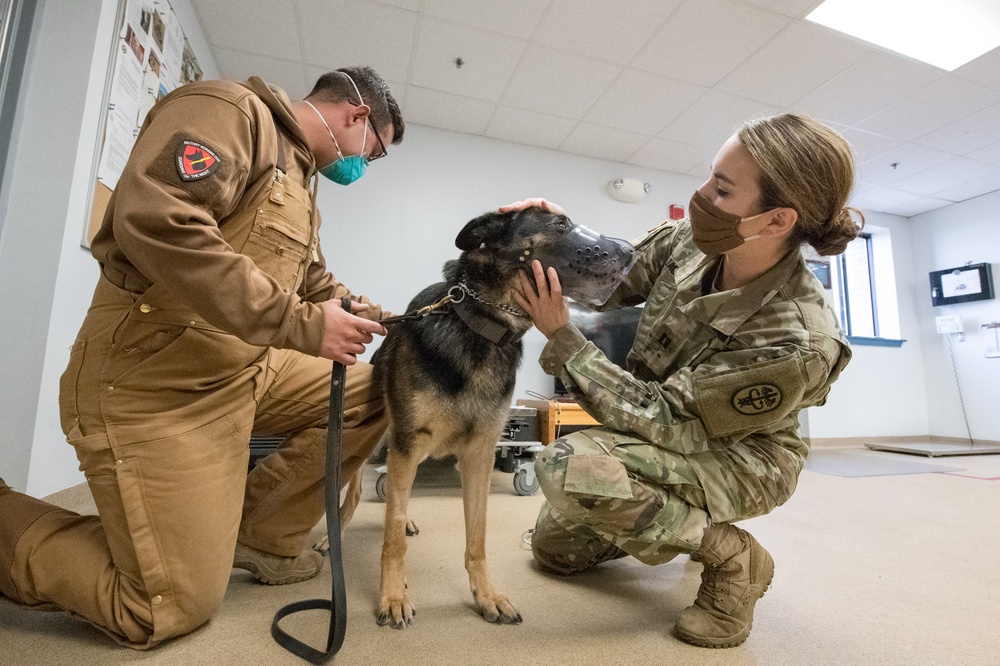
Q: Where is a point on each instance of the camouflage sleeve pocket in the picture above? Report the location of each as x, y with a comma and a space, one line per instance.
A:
601, 476
750, 398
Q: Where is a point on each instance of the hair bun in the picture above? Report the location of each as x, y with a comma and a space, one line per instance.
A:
841, 230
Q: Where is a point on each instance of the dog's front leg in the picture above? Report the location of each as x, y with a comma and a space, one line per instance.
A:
394, 607
476, 465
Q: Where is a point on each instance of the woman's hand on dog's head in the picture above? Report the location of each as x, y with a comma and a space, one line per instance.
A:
528, 203
346, 334
544, 301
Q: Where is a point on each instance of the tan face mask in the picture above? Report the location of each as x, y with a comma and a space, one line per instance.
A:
715, 231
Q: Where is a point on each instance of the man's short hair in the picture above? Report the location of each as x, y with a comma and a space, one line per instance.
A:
335, 87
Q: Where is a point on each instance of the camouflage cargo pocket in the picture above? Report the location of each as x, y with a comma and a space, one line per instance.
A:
600, 476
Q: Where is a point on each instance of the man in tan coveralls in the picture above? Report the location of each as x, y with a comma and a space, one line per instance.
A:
215, 317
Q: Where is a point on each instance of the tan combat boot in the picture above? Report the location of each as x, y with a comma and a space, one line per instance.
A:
275, 569
737, 573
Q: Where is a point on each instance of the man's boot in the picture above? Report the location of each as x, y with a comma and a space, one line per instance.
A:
737, 573
275, 569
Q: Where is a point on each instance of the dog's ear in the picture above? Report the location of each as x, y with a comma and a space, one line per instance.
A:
482, 229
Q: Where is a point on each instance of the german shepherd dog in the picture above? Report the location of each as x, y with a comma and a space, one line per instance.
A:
448, 379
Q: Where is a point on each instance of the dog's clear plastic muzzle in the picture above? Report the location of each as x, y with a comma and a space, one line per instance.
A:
590, 265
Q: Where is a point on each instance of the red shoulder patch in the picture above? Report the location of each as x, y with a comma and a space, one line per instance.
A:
196, 160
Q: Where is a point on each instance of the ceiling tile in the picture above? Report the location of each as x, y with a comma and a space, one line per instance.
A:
411, 5
973, 188
867, 146
876, 197
612, 31
703, 40
867, 87
968, 134
712, 119
257, 26
670, 156
792, 8
489, 60
984, 70
517, 19
702, 169
632, 81
528, 127
286, 74
942, 102
603, 142
807, 56
557, 83
918, 206
945, 176
643, 102
909, 159
371, 28
989, 154
447, 111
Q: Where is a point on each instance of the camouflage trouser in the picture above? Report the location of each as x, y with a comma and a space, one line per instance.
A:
611, 493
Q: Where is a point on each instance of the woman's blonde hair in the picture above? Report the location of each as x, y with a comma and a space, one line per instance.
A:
806, 166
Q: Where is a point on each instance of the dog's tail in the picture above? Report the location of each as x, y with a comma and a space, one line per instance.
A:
351, 500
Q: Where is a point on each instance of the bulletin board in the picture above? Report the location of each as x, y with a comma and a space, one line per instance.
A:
150, 56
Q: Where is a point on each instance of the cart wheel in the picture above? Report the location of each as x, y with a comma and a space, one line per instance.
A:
522, 484
380, 487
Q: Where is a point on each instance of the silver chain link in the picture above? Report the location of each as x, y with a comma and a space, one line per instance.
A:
500, 306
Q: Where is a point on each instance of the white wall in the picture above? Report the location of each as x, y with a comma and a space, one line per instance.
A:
947, 238
46, 277
882, 393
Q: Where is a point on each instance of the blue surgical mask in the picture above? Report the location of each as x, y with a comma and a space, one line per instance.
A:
344, 170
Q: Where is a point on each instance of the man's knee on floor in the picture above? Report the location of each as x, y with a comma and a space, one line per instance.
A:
190, 611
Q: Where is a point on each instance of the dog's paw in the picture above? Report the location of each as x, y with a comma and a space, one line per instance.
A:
398, 614
411, 528
323, 545
497, 608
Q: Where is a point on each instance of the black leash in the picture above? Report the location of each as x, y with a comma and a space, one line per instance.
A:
337, 604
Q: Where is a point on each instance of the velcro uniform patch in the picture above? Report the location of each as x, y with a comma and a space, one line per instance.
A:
751, 398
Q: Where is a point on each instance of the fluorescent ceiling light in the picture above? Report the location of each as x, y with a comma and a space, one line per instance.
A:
944, 33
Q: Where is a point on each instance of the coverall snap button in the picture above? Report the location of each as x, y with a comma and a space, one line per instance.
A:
192, 323
111, 388
145, 308
156, 600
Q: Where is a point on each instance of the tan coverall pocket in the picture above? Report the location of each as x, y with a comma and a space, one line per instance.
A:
69, 411
278, 246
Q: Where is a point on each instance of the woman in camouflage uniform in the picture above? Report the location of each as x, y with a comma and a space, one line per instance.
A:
735, 338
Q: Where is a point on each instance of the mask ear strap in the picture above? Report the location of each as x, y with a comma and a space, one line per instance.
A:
364, 140
336, 145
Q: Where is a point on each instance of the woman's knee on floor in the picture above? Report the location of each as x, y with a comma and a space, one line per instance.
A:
565, 551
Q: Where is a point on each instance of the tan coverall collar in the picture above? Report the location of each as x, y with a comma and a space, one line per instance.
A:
279, 103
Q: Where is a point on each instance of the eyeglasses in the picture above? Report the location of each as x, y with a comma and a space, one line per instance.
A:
382, 151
